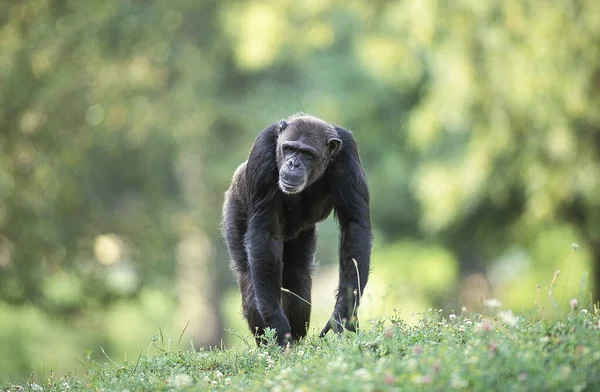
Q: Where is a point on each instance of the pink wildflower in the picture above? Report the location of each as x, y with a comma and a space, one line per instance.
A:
574, 302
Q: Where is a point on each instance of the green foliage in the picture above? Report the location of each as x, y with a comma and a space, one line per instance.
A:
489, 351
35, 342
501, 125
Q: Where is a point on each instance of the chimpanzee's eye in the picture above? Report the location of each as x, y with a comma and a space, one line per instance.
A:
307, 155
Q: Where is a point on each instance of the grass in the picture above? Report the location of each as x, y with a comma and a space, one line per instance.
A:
495, 350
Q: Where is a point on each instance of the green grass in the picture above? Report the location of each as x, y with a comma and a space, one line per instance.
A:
475, 352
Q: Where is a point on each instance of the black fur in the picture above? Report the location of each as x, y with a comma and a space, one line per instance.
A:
270, 226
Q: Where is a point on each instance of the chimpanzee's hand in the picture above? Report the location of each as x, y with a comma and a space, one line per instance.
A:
280, 323
337, 323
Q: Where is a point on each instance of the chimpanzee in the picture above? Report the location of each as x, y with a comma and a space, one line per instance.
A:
298, 171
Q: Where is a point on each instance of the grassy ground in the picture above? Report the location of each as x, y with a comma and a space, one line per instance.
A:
477, 352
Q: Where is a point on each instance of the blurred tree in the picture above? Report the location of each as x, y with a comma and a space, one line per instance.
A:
507, 128
97, 100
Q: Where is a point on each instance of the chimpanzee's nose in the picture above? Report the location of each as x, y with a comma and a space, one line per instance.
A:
293, 163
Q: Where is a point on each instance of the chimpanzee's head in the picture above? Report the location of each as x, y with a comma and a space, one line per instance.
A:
305, 147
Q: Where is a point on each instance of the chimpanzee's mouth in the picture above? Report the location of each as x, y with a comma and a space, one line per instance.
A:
289, 187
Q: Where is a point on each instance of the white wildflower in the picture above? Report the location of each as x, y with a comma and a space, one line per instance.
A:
181, 381
492, 303
457, 382
507, 317
362, 374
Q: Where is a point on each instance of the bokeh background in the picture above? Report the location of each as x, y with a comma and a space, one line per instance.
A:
122, 121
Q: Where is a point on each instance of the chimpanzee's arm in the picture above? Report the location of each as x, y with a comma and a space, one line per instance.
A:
265, 258
351, 202
264, 238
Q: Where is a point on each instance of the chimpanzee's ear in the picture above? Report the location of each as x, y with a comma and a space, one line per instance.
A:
282, 125
334, 146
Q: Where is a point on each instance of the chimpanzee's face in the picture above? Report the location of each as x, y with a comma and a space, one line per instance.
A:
304, 149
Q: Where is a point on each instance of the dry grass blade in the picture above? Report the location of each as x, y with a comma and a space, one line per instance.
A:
182, 332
